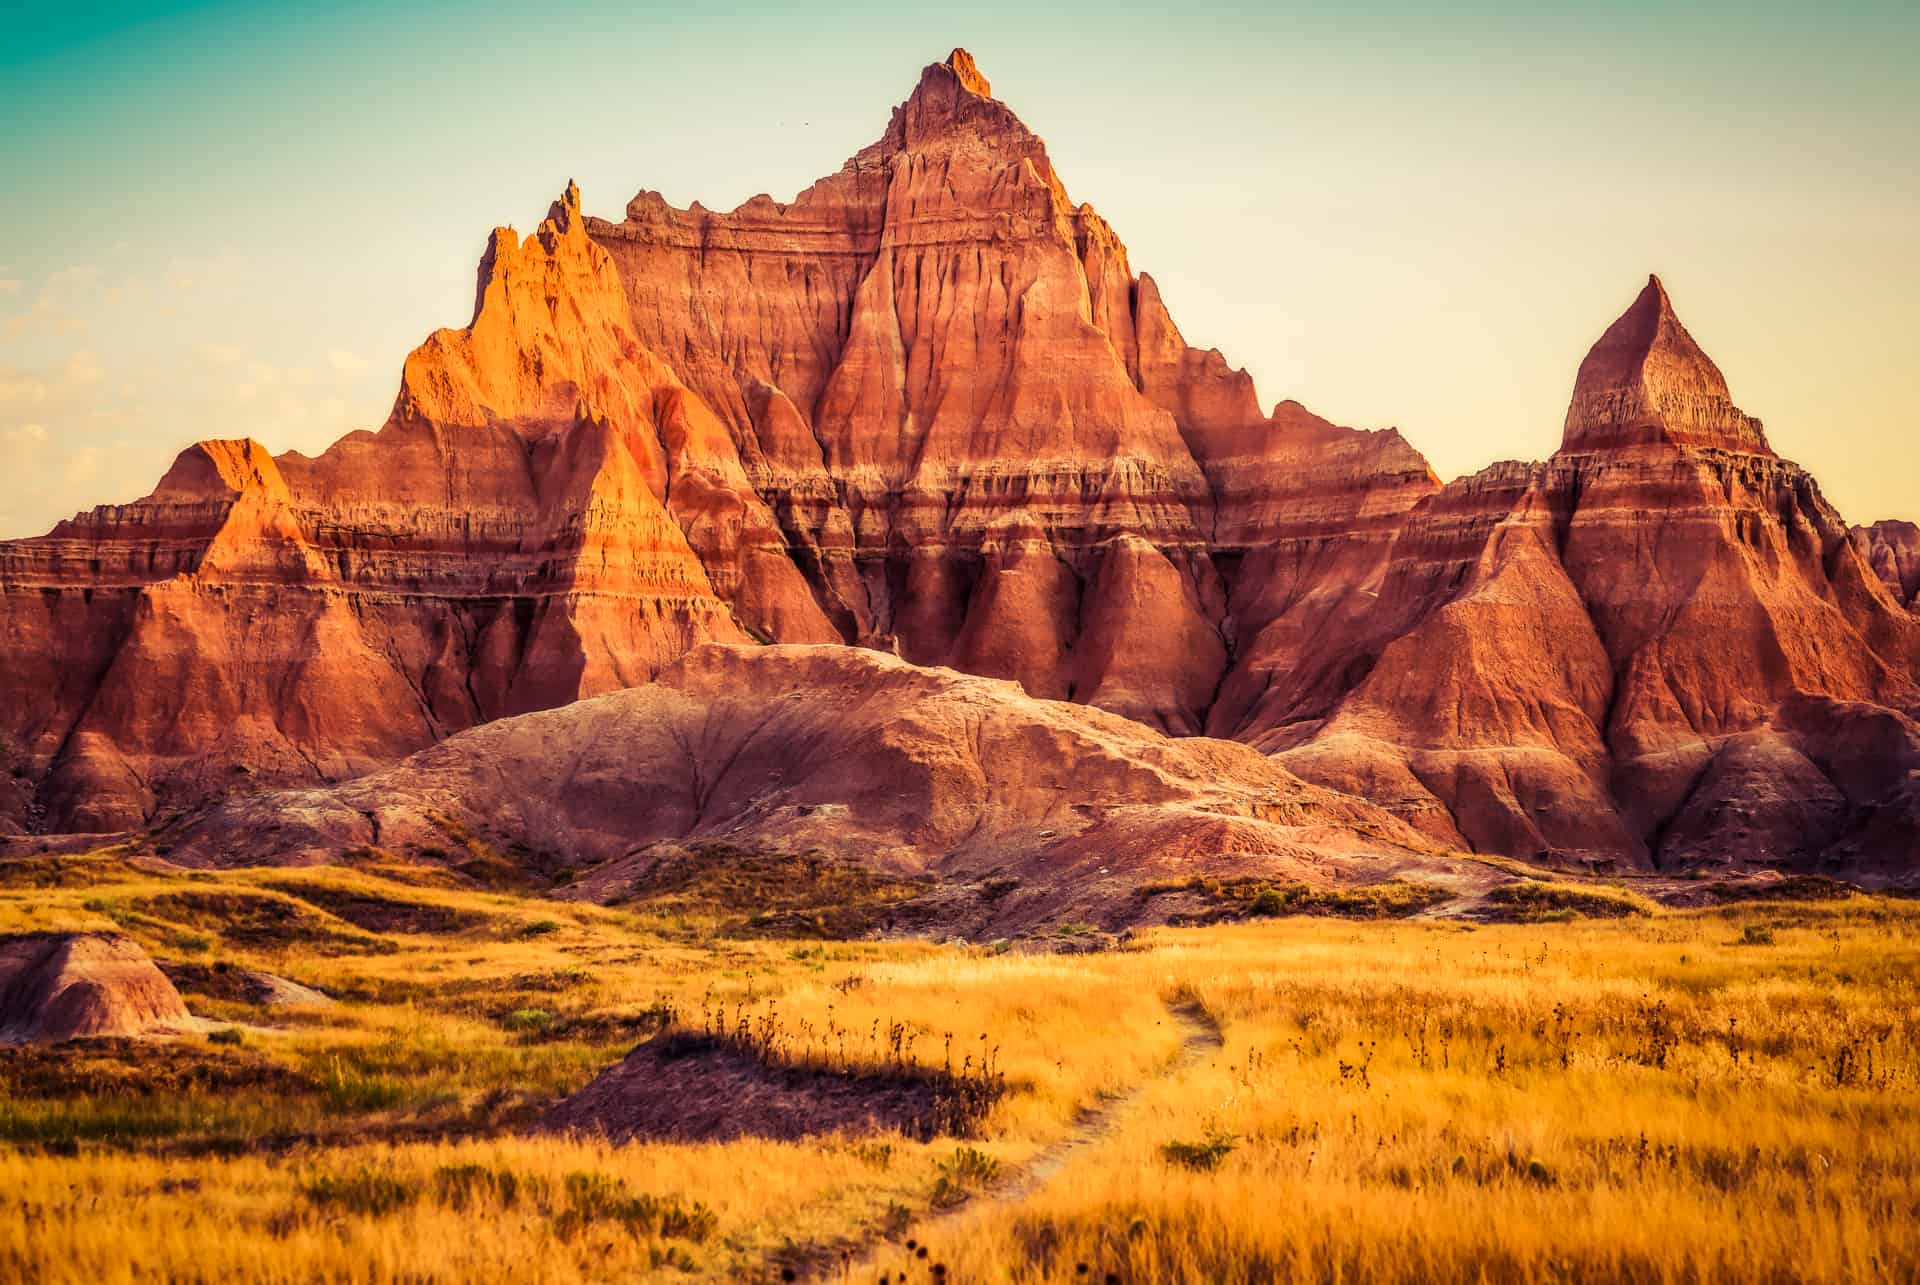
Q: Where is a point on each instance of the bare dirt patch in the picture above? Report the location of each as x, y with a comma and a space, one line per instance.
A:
685, 1087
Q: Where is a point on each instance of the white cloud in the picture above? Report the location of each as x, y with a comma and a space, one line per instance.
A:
220, 354
84, 368
346, 364
300, 376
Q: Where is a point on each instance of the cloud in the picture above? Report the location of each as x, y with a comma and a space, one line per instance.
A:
27, 433
220, 354
9, 285
84, 368
18, 387
346, 364
74, 280
83, 465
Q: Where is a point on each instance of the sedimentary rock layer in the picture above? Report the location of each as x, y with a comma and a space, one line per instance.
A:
928, 407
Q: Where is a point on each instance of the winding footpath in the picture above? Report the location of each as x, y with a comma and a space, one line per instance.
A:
1093, 1125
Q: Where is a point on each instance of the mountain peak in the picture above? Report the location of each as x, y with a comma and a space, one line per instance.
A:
952, 100
1648, 382
962, 64
565, 212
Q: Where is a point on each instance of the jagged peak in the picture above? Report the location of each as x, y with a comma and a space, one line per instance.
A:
220, 468
962, 65
952, 97
1646, 381
565, 212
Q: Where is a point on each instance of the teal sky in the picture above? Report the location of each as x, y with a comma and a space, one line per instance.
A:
223, 220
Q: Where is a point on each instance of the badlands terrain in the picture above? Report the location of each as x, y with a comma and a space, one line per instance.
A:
928, 408
824, 741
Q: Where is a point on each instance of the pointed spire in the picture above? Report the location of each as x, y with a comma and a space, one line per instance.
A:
1647, 382
962, 64
565, 212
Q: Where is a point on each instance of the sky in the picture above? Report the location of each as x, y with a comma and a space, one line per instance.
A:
224, 220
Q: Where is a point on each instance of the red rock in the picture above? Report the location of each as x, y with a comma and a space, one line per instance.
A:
1589, 659
855, 755
1647, 383
928, 407
1892, 549
64, 986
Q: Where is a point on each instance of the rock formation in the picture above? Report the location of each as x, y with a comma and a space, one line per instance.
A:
925, 406
853, 754
1659, 646
63, 986
928, 407
1893, 550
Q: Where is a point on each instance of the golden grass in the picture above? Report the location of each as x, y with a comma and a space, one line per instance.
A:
1668, 1096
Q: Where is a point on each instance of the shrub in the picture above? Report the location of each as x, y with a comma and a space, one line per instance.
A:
594, 1197
527, 1019
1203, 1157
459, 1186
365, 1191
1536, 901
971, 1166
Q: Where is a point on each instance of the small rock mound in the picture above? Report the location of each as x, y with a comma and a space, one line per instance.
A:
64, 986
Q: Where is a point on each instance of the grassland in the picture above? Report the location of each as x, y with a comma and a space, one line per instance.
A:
1722, 1094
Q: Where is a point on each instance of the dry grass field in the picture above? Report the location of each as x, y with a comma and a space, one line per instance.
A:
1705, 1095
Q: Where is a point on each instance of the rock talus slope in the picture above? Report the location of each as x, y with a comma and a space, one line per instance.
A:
854, 754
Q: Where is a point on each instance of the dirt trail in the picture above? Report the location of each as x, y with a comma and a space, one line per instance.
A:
1090, 1127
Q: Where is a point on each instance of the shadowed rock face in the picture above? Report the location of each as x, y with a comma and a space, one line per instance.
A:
1893, 550
928, 407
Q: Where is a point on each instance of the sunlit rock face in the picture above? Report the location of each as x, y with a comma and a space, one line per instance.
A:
928, 407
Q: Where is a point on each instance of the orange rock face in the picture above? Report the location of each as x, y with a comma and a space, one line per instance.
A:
925, 406
1656, 647
928, 407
